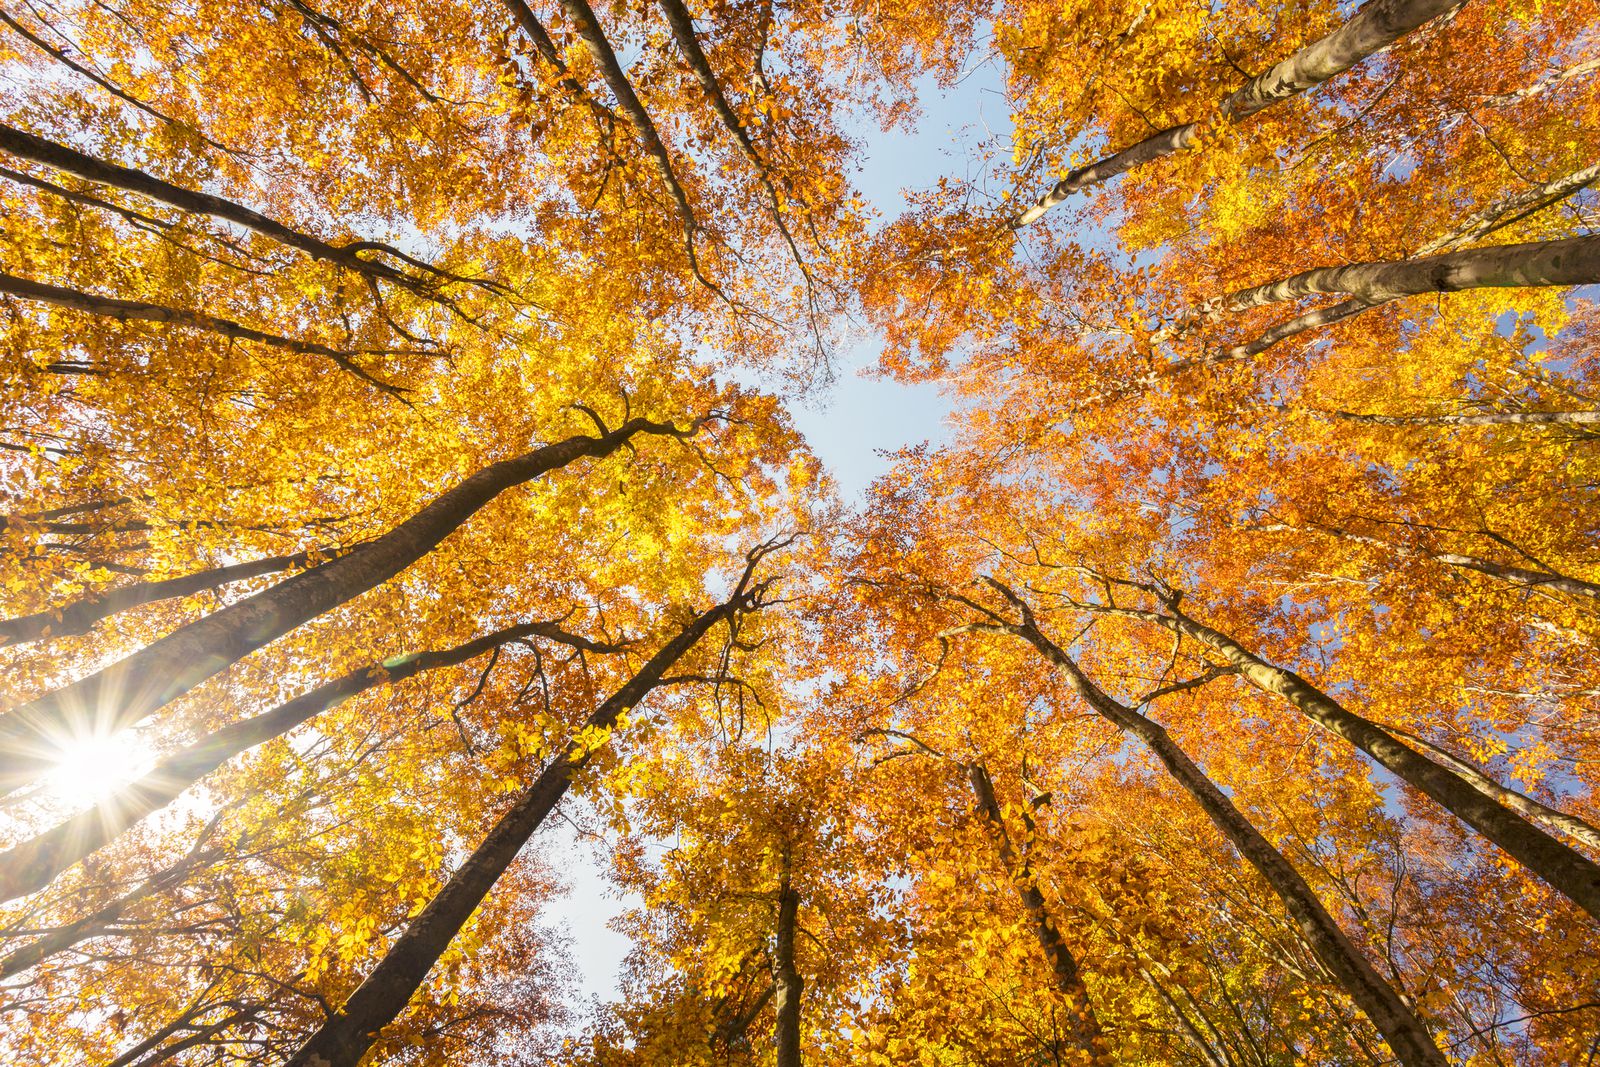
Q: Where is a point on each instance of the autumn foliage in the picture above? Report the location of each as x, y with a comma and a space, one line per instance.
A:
397, 461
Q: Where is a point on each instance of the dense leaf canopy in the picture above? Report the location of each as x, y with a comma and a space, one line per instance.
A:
397, 460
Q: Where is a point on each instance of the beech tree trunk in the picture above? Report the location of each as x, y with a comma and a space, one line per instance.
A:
1375, 27
787, 984
32, 864
1574, 261
111, 307
1084, 1032
1524, 577
1405, 1033
345, 1037
1555, 818
546, 48
28, 146
1500, 214
587, 27
1489, 418
99, 921
131, 689
1566, 870
80, 616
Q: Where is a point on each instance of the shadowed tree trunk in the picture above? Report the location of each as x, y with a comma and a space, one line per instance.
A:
1565, 869
80, 616
131, 689
102, 919
32, 864
37, 149
345, 1037
1555, 818
786, 981
1375, 27
111, 307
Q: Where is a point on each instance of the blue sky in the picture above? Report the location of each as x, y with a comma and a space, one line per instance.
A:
851, 427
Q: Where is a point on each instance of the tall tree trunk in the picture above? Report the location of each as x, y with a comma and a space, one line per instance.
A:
1407, 1037
1486, 418
1522, 577
1496, 216
100, 920
786, 981
80, 616
587, 26
345, 1037
1565, 869
32, 864
1084, 1033
1191, 1033
546, 47
37, 149
131, 689
682, 24
112, 307
1573, 261
1555, 818
1375, 27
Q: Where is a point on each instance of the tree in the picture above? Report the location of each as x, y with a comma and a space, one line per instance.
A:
395, 458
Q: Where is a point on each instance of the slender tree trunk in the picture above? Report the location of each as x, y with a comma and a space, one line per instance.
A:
1408, 1038
345, 1037
1084, 1031
1574, 261
546, 47
1498, 215
138, 311
1565, 869
682, 24
127, 691
587, 26
1555, 818
1191, 1032
1375, 27
733, 1030
80, 616
100, 920
1493, 418
37, 149
786, 981
1522, 577
32, 865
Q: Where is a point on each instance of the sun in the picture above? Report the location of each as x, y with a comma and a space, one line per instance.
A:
90, 769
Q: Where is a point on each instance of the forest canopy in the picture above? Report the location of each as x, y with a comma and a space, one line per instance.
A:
399, 468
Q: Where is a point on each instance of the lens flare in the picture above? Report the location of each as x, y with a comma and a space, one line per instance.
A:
92, 768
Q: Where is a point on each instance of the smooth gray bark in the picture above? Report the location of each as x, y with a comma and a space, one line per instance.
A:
1490, 418
1375, 27
1573, 261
